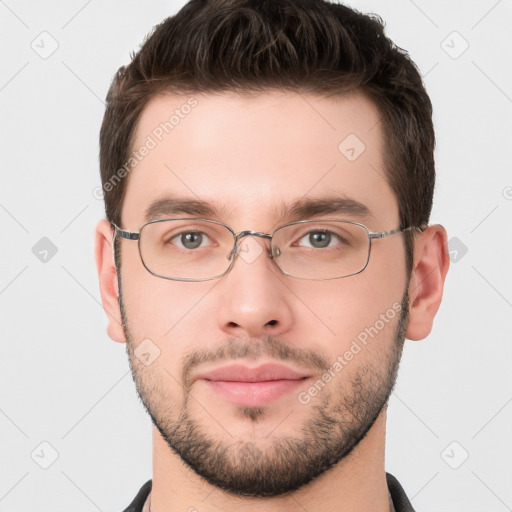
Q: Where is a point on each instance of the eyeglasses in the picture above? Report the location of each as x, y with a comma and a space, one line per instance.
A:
196, 249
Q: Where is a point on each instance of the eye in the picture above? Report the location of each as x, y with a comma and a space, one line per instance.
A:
190, 240
319, 239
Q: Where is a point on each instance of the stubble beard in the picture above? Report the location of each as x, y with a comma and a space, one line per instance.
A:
339, 420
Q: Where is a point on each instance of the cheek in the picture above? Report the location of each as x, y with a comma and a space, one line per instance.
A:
173, 315
154, 305
341, 310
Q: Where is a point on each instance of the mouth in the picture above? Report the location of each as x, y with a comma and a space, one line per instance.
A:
253, 387
254, 394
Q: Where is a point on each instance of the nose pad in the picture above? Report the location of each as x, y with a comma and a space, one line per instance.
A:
239, 248
234, 252
274, 253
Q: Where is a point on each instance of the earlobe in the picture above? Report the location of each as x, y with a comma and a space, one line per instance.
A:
431, 263
107, 276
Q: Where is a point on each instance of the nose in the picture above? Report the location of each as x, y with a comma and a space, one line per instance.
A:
253, 299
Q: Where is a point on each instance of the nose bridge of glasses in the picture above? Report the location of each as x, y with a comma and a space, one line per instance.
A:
252, 233
243, 234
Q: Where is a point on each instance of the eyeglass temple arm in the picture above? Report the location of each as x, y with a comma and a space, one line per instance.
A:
384, 234
123, 234
128, 235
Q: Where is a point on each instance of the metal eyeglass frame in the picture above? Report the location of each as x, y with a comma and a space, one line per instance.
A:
128, 235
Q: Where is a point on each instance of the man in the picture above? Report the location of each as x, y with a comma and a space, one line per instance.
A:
268, 175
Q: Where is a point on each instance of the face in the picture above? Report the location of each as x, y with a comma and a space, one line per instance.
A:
248, 163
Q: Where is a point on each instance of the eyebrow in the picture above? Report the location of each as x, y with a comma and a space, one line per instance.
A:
175, 205
331, 205
302, 209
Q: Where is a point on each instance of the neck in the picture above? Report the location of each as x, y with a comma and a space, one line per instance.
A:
355, 484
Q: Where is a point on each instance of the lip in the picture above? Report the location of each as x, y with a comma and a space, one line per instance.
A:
262, 373
252, 387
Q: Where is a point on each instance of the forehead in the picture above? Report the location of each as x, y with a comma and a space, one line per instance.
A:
252, 156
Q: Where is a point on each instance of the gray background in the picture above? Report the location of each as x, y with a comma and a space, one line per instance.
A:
65, 383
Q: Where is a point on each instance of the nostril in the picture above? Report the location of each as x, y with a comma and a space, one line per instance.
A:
272, 322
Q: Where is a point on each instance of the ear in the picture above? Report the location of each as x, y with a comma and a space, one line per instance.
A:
107, 275
431, 263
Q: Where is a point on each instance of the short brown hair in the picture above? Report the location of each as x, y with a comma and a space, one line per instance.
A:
253, 46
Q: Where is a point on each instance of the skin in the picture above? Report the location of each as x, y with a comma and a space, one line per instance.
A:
249, 157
